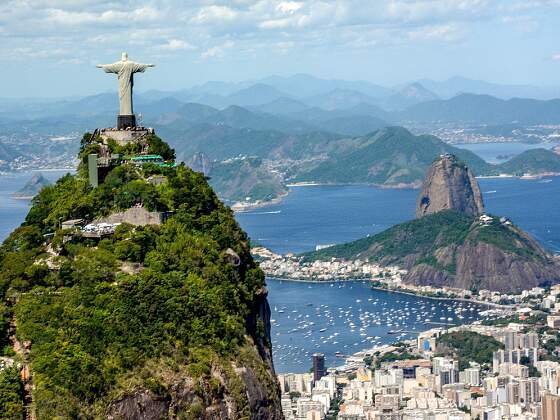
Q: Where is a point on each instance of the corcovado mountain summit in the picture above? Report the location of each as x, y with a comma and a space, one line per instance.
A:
129, 291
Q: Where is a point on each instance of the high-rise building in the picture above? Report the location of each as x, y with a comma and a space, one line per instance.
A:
318, 366
551, 407
470, 376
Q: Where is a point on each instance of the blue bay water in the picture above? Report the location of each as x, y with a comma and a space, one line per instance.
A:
347, 317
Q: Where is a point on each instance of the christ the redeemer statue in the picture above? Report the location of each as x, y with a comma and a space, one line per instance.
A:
125, 70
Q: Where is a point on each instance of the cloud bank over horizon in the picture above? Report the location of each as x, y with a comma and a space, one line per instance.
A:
49, 47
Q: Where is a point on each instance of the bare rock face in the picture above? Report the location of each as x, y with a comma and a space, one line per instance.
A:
449, 185
199, 162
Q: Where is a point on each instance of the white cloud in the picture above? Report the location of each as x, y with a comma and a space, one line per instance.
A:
556, 57
176, 45
214, 14
218, 50
439, 32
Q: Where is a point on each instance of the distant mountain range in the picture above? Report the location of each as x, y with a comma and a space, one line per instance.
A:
484, 109
355, 107
394, 157
456, 85
319, 130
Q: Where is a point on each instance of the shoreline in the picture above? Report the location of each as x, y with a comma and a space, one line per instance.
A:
403, 292
479, 302
240, 207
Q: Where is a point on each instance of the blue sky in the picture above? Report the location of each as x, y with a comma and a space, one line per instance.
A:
50, 47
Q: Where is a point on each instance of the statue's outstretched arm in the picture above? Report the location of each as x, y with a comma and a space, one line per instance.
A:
138, 67
110, 68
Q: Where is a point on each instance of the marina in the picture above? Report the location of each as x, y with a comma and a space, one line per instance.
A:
342, 318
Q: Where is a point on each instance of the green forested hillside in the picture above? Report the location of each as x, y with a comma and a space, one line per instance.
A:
529, 161
158, 313
451, 249
389, 156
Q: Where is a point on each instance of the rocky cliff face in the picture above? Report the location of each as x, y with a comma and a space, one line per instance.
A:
449, 185
476, 264
199, 162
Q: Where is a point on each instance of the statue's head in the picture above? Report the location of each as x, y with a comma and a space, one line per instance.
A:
124, 56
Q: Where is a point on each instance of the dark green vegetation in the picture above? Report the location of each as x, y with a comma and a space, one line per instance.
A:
526, 162
468, 346
451, 249
419, 236
11, 394
389, 156
394, 356
158, 314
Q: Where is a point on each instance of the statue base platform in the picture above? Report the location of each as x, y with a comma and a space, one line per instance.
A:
125, 136
126, 121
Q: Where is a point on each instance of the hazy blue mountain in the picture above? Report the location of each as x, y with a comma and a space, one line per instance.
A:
408, 95
531, 161
390, 156
239, 117
6, 154
257, 94
353, 125
220, 142
32, 187
234, 116
485, 109
281, 106
162, 107
245, 179
304, 85
456, 85
218, 88
339, 99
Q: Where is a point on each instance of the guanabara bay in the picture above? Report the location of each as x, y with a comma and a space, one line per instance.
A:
129, 292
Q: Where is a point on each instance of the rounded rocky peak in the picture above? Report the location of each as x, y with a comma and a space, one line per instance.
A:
449, 185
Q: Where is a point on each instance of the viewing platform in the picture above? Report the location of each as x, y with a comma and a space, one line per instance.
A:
125, 136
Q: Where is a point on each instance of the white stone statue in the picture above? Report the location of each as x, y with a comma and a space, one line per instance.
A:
125, 70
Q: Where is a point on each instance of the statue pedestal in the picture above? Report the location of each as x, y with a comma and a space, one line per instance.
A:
126, 121
125, 136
